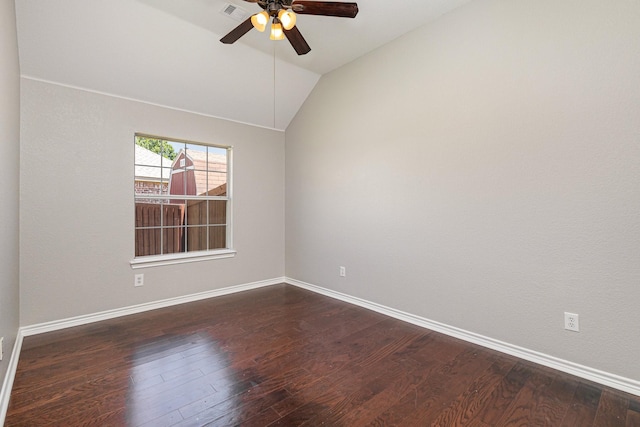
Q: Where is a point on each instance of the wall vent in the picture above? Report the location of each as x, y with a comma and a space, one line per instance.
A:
234, 12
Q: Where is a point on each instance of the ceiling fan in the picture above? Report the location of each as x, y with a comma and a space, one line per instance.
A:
283, 17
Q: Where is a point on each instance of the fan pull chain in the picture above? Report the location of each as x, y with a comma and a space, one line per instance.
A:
274, 85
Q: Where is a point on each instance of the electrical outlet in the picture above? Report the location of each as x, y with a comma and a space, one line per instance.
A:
138, 280
343, 272
571, 322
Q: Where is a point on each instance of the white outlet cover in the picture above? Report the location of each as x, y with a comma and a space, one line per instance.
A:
138, 280
571, 322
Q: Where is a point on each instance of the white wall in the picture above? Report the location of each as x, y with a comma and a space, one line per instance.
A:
77, 208
9, 175
483, 172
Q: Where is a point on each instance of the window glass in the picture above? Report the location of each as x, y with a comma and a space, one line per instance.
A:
181, 197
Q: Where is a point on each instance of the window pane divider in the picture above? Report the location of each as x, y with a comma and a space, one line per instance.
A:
141, 197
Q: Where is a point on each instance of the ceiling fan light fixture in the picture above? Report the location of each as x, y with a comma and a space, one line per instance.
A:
288, 18
260, 20
276, 31
283, 13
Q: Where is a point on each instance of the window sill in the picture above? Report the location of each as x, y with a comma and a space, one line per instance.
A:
159, 260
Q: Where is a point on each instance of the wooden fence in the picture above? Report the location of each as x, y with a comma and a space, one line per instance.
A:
148, 227
197, 222
197, 225
148, 241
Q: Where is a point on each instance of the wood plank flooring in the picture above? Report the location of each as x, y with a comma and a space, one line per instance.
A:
283, 356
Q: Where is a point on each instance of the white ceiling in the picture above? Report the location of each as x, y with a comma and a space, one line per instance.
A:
333, 41
168, 52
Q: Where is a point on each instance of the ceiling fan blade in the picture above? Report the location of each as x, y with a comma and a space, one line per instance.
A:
237, 32
297, 41
325, 8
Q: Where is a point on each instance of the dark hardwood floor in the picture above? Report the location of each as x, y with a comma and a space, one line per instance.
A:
285, 356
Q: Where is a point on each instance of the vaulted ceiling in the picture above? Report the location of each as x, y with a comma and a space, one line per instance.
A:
167, 52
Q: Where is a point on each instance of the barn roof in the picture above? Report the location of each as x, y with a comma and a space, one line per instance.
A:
210, 169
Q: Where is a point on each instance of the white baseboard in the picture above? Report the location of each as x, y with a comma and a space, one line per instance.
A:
7, 384
605, 378
110, 314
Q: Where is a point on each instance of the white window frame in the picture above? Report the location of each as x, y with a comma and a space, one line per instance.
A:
193, 256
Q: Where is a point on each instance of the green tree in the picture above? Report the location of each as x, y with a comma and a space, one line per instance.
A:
159, 146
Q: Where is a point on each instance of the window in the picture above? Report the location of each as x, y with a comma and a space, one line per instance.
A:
182, 201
